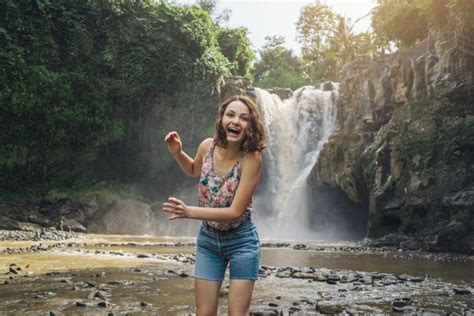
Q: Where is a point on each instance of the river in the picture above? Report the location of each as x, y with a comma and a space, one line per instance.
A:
151, 275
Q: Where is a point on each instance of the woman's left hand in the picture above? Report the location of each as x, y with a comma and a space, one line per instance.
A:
176, 207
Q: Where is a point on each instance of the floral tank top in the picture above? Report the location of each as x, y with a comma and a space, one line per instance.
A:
219, 191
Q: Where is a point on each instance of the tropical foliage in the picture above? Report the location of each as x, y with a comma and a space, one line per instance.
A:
278, 66
89, 88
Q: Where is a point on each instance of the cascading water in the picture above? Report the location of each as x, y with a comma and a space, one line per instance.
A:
297, 129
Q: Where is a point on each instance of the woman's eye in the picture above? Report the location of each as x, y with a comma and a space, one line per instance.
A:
245, 118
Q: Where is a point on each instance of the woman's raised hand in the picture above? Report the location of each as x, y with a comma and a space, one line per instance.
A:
173, 142
177, 208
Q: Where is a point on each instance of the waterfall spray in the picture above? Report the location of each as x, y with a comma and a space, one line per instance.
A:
297, 130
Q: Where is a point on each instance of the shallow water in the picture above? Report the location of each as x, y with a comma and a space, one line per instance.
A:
111, 262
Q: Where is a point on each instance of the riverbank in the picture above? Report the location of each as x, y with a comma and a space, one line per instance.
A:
117, 274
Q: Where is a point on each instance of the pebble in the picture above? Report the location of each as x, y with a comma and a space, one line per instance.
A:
81, 304
461, 291
103, 304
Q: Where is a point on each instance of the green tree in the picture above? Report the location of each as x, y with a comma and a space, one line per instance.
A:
89, 86
235, 45
400, 21
278, 66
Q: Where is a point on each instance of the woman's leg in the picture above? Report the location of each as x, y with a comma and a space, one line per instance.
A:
207, 296
240, 295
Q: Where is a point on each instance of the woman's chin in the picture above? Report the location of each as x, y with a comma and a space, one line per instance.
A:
234, 140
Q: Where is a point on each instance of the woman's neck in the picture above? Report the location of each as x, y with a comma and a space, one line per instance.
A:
231, 152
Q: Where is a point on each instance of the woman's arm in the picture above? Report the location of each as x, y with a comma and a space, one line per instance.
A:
251, 169
191, 167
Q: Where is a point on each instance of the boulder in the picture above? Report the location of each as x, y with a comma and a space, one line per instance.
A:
125, 217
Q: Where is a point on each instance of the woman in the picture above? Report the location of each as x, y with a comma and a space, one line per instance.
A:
229, 167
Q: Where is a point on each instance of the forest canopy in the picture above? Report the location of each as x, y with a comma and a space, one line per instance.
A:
78, 77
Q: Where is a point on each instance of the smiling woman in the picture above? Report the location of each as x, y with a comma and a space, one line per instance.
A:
229, 167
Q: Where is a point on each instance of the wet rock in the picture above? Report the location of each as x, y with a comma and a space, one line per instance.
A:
299, 247
145, 304
284, 273
117, 219
461, 291
294, 309
12, 270
405, 277
417, 279
102, 295
6, 282
55, 313
81, 304
116, 282
302, 275
401, 302
52, 273
89, 284
75, 226
143, 255
67, 281
184, 274
327, 307
410, 244
272, 304
103, 304
224, 293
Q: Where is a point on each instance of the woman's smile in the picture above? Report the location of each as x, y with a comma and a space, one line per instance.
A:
235, 120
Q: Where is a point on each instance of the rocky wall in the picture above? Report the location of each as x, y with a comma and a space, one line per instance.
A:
403, 151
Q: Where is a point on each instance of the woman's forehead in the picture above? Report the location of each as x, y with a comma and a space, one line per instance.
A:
238, 106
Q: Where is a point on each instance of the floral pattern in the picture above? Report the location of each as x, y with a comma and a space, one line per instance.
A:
219, 191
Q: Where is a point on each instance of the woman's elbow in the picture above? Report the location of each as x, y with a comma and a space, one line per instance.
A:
235, 213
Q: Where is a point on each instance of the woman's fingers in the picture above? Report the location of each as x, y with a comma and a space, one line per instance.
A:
175, 200
171, 136
175, 207
176, 216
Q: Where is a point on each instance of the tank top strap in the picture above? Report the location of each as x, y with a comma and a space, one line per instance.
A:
210, 152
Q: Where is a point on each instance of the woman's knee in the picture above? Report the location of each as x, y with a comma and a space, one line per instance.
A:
206, 310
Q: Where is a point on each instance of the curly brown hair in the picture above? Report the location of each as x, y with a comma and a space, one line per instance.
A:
254, 138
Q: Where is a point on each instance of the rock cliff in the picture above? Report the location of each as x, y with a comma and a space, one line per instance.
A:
403, 153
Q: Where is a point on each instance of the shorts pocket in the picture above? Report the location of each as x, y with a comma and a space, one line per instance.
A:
243, 232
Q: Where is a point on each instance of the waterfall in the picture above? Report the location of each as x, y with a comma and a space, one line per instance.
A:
297, 129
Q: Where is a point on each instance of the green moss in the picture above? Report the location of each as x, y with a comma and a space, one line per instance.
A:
410, 222
443, 145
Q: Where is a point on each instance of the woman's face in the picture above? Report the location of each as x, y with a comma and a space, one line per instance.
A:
235, 121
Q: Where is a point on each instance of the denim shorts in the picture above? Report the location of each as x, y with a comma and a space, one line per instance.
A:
239, 247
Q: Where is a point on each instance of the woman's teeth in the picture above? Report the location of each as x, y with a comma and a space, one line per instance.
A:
233, 131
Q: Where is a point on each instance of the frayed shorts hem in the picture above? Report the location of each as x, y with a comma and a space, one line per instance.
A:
208, 279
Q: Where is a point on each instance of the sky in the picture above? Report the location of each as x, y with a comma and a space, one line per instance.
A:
278, 17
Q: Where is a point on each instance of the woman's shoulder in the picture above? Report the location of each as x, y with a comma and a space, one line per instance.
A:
205, 145
252, 157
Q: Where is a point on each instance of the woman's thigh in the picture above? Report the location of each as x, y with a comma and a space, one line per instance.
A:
207, 296
240, 296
